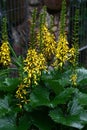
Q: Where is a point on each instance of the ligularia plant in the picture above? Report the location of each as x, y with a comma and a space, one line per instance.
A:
5, 58
44, 89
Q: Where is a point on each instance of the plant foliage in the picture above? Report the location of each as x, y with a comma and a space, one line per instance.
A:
37, 95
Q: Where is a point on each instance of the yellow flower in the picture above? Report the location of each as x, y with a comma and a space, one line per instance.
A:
62, 52
73, 79
33, 65
20, 106
22, 94
5, 59
21, 91
47, 42
74, 55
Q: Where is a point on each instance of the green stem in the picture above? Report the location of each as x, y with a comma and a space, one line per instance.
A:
15, 56
6, 71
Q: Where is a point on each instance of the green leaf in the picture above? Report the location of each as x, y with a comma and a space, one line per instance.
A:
55, 85
4, 107
38, 118
7, 124
4, 72
9, 84
41, 120
63, 97
74, 114
11, 81
82, 76
72, 121
39, 97
83, 117
82, 98
25, 123
65, 78
74, 108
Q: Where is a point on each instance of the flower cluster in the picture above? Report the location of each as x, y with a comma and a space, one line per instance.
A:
73, 79
5, 59
62, 52
21, 94
74, 55
34, 64
46, 41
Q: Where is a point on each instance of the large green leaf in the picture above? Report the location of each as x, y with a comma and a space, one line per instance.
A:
39, 97
4, 107
7, 124
81, 97
41, 120
38, 118
74, 108
25, 123
9, 84
72, 121
63, 97
57, 80
82, 76
54, 85
73, 114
